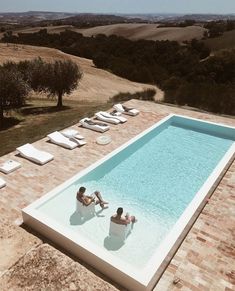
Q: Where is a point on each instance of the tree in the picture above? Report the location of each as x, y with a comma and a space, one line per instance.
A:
56, 78
100, 60
35, 73
60, 77
230, 25
199, 48
13, 90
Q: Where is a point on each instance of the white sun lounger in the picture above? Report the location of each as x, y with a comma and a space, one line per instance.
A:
59, 139
79, 142
103, 117
119, 231
9, 166
113, 116
2, 183
72, 133
29, 152
97, 126
129, 111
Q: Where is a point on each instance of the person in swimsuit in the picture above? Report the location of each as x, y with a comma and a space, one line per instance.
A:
120, 219
88, 199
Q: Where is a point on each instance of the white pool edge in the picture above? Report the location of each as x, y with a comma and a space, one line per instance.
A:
131, 278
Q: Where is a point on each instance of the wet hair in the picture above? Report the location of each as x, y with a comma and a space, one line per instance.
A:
82, 189
119, 210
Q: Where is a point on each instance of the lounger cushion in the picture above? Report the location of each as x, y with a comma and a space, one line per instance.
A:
99, 128
69, 132
79, 142
59, 139
72, 133
29, 152
101, 116
131, 112
122, 119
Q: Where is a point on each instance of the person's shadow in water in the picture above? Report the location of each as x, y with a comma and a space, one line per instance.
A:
78, 219
112, 243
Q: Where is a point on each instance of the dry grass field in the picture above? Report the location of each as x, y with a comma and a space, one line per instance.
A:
132, 31
96, 85
226, 41
147, 31
50, 29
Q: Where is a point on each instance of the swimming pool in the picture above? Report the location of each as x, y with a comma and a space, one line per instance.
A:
161, 176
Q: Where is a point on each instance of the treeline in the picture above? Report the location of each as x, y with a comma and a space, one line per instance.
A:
87, 20
146, 95
217, 28
183, 71
214, 28
185, 23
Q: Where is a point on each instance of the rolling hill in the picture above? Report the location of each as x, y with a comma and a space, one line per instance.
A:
96, 84
132, 31
146, 31
225, 41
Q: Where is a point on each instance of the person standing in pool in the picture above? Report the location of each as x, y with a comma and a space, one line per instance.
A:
88, 199
119, 219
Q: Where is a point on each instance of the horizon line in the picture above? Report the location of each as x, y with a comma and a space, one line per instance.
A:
123, 13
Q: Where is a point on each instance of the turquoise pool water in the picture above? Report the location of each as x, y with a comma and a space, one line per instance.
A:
154, 178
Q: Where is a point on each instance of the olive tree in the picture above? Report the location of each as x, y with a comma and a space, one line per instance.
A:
13, 90
62, 77
56, 78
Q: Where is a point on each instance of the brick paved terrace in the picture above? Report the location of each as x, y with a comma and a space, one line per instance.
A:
204, 261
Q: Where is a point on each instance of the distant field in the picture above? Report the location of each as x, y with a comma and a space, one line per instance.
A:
147, 31
226, 41
50, 29
131, 31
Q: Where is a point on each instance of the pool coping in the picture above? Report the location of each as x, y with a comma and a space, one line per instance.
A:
148, 276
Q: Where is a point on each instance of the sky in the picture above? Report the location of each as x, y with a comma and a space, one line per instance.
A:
121, 6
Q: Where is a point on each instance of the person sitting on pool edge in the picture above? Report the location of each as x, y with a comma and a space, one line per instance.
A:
119, 219
88, 199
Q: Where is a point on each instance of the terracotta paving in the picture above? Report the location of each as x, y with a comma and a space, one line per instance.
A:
205, 259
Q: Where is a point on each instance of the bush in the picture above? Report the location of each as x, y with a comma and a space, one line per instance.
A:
147, 95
